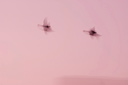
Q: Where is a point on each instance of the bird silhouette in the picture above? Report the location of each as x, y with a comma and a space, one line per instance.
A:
46, 26
92, 32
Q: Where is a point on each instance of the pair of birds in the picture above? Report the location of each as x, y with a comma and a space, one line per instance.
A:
47, 28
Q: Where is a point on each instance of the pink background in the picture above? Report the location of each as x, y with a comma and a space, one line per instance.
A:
29, 57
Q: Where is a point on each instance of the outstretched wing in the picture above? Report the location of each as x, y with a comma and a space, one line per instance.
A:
40, 25
93, 28
45, 21
87, 32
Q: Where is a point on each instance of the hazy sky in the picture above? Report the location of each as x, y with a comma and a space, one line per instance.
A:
29, 57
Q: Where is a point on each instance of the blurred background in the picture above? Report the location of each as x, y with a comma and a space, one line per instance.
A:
29, 57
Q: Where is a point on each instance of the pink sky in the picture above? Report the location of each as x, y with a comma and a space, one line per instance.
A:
29, 57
